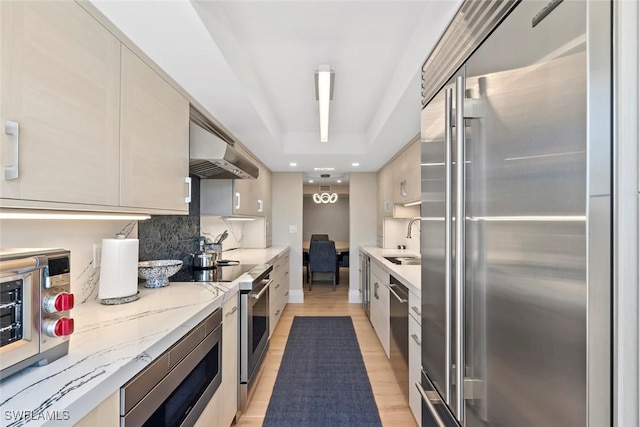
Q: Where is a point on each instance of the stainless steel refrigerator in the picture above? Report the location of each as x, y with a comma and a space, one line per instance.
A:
516, 142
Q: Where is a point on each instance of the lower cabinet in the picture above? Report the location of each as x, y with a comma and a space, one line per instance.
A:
223, 407
106, 414
279, 292
415, 347
379, 307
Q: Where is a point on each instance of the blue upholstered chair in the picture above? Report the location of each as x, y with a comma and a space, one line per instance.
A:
323, 259
319, 237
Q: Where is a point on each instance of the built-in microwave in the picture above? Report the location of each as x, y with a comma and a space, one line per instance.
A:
35, 300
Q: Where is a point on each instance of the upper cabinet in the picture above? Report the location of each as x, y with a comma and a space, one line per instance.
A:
86, 123
154, 123
60, 84
406, 175
242, 197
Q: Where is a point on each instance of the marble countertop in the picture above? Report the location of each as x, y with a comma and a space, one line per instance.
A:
110, 345
253, 256
409, 275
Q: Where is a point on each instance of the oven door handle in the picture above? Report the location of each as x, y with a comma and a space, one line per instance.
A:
264, 289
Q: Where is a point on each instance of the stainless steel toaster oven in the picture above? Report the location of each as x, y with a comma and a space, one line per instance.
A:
35, 301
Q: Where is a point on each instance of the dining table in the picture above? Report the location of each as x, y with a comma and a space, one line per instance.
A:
341, 246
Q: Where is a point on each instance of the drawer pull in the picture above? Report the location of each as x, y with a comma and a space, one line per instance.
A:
416, 310
233, 310
416, 339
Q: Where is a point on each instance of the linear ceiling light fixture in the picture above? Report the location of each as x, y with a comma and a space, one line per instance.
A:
324, 94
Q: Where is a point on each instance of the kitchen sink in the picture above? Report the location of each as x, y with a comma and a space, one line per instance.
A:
404, 259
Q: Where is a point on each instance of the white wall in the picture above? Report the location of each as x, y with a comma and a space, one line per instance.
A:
287, 213
362, 221
78, 236
326, 218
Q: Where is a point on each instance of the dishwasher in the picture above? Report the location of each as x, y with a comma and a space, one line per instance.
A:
399, 343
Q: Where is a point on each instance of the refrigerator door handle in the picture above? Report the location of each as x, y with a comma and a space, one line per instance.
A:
432, 409
460, 245
447, 238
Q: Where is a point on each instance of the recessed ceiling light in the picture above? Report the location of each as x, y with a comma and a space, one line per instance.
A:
310, 181
293, 164
339, 181
355, 164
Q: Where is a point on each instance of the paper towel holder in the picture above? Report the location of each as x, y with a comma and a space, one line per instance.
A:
114, 283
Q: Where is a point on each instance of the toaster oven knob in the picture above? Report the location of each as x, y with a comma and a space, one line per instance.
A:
58, 302
58, 327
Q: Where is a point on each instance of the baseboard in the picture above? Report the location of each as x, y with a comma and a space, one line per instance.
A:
296, 296
354, 296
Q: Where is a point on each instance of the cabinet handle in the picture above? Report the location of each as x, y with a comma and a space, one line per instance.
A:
237, 200
416, 310
436, 415
401, 300
233, 310
187, 180
416, 339
260, 206
278, 285
448, 234
403, 188
459, 242
13, 128
277, 312
286, 294
375, 290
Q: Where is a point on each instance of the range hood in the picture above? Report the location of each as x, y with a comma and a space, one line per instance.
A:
212, 158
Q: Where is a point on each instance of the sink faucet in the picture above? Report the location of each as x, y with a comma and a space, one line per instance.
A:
411, 225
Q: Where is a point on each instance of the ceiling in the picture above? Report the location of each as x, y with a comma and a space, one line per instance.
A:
252, 65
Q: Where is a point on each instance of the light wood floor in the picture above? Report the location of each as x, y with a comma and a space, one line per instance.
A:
322, 301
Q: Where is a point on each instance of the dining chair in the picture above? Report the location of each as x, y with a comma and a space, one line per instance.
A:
319, 237
323, 259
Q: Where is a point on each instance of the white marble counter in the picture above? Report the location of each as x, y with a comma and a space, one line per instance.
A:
110, 345
409, 275
253, 256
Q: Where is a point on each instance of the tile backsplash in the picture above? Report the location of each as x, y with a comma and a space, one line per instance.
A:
173, 236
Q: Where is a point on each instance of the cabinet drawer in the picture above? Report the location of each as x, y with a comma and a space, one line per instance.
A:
414, 368
379, 272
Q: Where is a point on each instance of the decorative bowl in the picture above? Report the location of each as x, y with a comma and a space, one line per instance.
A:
157, 272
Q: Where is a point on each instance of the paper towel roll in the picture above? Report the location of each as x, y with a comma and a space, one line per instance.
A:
118, 268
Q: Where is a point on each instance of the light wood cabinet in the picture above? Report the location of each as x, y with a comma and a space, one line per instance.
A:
406, 175
279, 292
223, 406
61, 83
385, 206
154, 156
253, 196
379, 308
230, 375
106, 414
415, 364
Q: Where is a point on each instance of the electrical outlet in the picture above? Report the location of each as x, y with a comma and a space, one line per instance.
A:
293, 229
97, 254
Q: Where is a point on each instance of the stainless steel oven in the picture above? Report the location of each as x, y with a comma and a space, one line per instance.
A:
175, 388
34, 307
254, 327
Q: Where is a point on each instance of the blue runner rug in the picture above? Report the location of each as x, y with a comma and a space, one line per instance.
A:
322, 380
